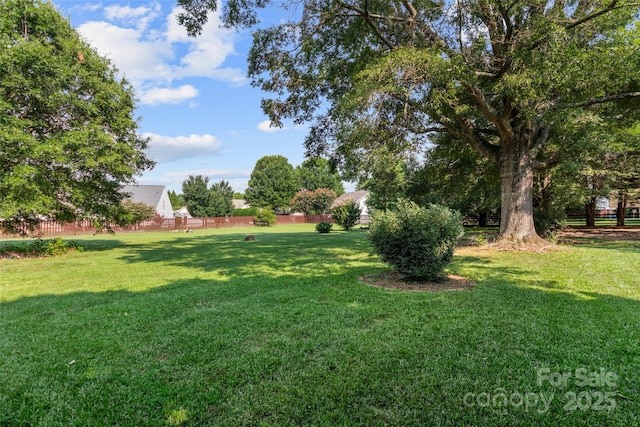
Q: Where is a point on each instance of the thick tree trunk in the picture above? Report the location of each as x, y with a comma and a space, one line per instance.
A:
591, 212
516, 175
621, 210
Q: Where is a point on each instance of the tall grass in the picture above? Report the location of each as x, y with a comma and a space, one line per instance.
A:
209, 329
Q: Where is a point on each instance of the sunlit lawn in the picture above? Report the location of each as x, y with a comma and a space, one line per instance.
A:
206, 329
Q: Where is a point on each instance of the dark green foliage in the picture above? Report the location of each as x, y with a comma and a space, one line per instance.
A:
177, 201
346, 215
314, 202
195, 191
133, 212
246, 212
455, 175
21, 223
273, 183
39, 248
221, 203
384, 176
324, 227
317, 173
203, 200
265, 217
418, 242
68, 135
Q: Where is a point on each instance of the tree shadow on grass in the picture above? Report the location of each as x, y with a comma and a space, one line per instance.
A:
276, 254
235, 353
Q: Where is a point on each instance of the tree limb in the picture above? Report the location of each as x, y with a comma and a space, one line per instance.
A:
602, 100
594, 15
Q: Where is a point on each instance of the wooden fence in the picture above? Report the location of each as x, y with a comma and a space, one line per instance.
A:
51, 228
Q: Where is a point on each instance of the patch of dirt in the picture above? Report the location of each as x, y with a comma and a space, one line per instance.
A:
611, 233
392, 280
15, 255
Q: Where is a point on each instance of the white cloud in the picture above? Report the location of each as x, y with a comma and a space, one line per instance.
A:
238, 179
140, 17
139, 60
213, 174
168, 149
266, 126
157, 96
152, 57
125, 13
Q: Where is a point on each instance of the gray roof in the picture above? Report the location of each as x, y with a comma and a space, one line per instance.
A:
356, 196
147, 194
239, 203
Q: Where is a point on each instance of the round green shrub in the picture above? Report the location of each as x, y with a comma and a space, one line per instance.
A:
323, 227
417, 242
266, 217
346, 215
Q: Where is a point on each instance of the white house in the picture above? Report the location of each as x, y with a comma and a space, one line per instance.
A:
240, 204
152, 195
183, 212
360, 199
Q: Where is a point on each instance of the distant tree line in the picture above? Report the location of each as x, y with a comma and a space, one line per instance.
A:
274, 183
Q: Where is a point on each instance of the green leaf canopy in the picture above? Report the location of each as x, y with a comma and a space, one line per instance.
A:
505, 77
272, 184
68, 136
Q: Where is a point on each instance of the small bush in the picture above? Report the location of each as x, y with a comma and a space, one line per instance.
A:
346, 215
418, 242
40, 248
549, 223
323, 227
266, 217
246, 212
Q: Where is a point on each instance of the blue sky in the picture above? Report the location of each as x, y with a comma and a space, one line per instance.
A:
194, 100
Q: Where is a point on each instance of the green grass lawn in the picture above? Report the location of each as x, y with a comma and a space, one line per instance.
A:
207, 329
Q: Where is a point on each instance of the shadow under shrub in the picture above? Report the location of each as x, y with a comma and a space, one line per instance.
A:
417, 242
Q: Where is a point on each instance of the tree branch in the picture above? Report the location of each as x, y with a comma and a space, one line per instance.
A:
594, 15
602, 100
468, 134
423, 27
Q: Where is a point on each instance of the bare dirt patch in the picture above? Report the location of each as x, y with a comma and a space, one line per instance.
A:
577, 235
392, 280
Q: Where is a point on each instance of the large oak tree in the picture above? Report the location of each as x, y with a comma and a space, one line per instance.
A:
68, 139
497, 74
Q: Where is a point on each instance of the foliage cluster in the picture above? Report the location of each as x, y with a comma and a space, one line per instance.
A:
346, 214
265, 217
40, 248
316, 172
177, 200
133, 212
246, 212
418, 242
324, 227
272, 184
314, 202
203, 200
68, 134
522, 85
